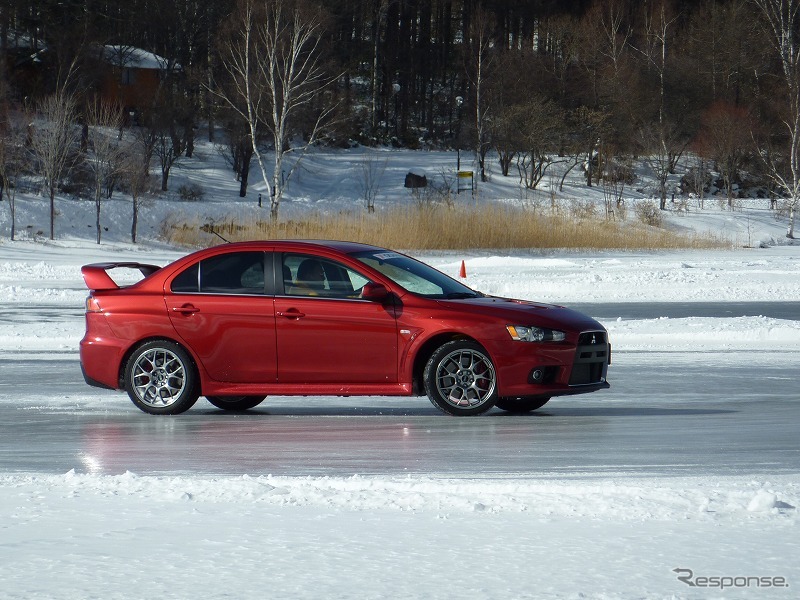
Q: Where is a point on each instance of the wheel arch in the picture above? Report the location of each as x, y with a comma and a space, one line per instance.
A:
157, 338
427, 349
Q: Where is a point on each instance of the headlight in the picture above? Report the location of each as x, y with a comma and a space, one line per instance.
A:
534, 334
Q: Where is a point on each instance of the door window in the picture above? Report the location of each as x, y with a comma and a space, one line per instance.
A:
232, 273
305, 275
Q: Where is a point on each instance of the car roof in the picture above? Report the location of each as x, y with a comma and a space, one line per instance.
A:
339, 245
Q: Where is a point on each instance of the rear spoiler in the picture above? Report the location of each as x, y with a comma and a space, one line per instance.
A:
97, 278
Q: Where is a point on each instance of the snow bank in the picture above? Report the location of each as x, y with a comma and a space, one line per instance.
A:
659, 499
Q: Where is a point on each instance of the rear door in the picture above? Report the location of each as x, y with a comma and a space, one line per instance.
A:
222, 310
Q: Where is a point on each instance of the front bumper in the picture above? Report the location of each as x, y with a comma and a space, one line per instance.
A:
531, 369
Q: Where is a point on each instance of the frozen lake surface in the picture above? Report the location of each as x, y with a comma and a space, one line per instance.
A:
677, 413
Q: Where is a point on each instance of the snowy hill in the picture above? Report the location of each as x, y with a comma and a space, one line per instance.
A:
331, 181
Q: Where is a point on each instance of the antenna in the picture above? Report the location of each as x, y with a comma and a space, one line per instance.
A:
211, 230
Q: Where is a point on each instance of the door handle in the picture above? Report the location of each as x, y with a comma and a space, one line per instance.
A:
186, 309
292, 313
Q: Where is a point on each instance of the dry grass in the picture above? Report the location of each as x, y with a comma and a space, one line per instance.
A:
443, 228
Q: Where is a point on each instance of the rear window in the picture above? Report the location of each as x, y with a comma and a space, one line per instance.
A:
233, 273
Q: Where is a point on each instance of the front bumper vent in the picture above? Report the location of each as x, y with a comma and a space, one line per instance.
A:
591, 359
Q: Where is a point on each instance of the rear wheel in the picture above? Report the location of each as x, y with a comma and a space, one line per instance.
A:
235, 402
161, 379
460, 379
521, 405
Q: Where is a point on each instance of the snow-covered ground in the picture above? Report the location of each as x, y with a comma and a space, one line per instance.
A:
82, 535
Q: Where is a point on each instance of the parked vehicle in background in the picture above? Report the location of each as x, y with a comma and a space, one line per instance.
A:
241, 321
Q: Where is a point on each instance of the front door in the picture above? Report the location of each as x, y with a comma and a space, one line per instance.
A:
325, 332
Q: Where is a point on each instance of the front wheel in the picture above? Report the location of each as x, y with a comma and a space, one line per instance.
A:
161, 379
460, 379
521, 405
235, 402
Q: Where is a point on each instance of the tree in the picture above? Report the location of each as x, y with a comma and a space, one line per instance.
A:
663, 140
507, 91
370, 175
135, 170
663, 146
481, 60
540, 122
105, 156
584, 131
506, 136
54, 140
168, 149
782, 20
722, 39
13, 157
272, 56
605, 53
238, 151
725, 138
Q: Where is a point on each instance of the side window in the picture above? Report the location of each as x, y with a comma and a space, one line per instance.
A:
187, 282
305, 275
233, 273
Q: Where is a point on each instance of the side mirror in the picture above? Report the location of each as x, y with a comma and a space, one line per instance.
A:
375, 292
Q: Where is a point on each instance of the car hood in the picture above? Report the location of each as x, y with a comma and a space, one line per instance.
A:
525, 312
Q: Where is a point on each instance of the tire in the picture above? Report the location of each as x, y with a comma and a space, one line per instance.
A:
235, 402
521, 405
460, 379
161, 379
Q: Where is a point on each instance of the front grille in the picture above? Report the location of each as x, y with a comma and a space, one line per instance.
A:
590, 338
591, 359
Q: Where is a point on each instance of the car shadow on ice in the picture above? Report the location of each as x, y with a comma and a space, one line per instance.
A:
405, 411
639, 411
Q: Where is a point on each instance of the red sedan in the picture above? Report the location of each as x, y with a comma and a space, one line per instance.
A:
240, 321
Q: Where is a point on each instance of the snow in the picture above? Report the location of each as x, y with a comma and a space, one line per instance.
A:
136, 58
85, 534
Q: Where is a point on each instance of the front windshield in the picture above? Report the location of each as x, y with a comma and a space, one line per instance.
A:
414, 276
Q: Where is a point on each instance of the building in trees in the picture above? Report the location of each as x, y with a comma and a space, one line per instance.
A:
131, 78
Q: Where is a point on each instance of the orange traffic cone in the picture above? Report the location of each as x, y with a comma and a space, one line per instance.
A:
462, 272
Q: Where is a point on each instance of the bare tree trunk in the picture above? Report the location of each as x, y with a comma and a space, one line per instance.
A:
245, 159
782, 19
481, 111
54, 142
134, 219
379, 16
13, 155
657, 36
106, 154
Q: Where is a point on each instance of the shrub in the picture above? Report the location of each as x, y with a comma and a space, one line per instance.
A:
649, 213
190, 192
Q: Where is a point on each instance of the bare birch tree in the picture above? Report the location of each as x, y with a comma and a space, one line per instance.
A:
662, 141
54, 139
273, 60
782, 18
478, 73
